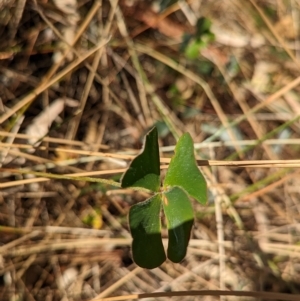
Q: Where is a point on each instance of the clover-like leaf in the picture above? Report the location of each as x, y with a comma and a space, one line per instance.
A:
145, 226
184, 172
180, 217
144, 170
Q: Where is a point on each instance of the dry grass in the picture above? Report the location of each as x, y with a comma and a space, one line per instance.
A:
116, 68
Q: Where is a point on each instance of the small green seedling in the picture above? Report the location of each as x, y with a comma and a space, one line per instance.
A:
193, 43
183, 180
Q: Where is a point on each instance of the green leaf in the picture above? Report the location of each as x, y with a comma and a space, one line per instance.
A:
180, 217
192, 50
203, 26
144, 221
144, 170
183, 170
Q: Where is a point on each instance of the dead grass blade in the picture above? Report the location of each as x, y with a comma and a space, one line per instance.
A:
219, 293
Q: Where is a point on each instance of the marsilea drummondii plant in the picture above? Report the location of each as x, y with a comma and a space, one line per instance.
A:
183, 180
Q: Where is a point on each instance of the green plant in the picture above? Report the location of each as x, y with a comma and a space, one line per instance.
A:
193, 43
183, 179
